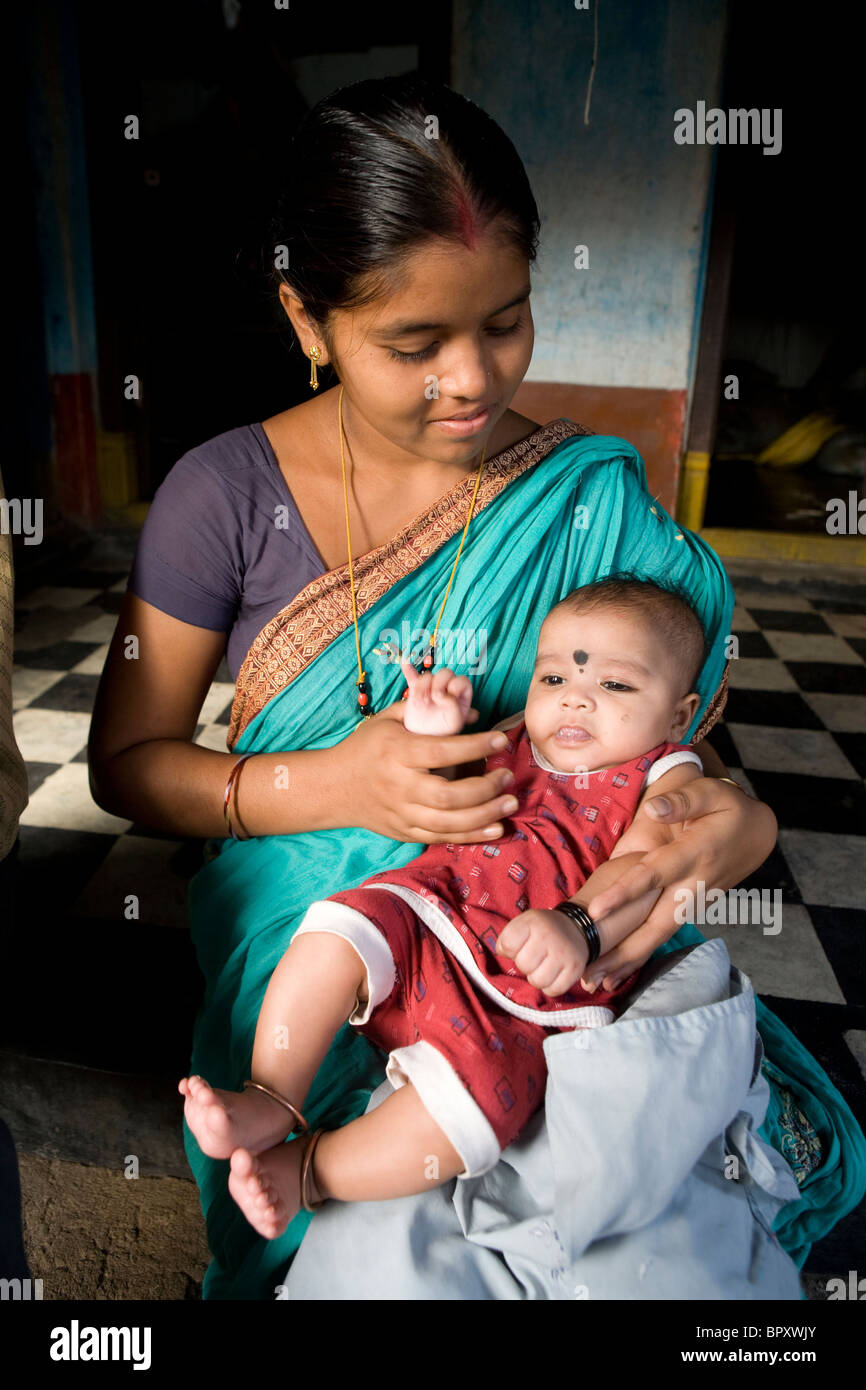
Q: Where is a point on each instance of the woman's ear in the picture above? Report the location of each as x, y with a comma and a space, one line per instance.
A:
307, 331
292, 305
684, 714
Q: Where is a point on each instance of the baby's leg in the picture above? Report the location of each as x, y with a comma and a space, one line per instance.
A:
312, 992
399, 1149
395, 1151
469, 1077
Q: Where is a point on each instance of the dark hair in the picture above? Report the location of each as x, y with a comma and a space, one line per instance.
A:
367, 184
668, 608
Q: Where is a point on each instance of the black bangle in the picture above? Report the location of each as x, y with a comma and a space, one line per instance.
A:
585, 925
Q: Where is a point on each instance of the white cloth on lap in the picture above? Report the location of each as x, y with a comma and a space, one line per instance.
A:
643, 1177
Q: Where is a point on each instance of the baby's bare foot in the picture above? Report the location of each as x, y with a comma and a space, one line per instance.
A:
223, 1121
266, 1186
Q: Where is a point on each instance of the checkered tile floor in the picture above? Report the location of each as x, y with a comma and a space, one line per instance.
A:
61, 642
793, 733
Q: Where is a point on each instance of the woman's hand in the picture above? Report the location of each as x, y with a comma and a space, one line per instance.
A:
719, 835
398, 796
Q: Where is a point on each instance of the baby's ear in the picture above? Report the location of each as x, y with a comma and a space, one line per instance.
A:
685, 711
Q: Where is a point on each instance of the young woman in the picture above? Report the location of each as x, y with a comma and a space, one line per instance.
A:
410, 499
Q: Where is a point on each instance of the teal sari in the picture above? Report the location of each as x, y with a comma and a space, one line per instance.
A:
554, 512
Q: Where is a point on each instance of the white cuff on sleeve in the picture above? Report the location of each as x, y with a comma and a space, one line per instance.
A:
663, 765
449, 1103
338, 919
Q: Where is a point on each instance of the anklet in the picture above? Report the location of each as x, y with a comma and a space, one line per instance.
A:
307, 1173
301, 1126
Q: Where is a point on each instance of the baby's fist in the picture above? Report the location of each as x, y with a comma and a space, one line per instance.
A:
437, 703
547, 948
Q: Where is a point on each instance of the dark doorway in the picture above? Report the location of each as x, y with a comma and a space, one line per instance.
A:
794, 340
180, 214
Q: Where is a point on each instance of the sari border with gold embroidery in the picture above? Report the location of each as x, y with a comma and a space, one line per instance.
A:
323, 609
714, 709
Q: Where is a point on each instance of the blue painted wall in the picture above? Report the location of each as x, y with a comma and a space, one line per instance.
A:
619, 185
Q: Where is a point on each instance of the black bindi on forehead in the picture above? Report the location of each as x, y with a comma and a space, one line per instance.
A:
581, 657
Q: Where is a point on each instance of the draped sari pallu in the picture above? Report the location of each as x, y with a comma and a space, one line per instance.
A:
553, 512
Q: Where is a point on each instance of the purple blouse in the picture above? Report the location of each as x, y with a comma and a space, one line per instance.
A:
223, 545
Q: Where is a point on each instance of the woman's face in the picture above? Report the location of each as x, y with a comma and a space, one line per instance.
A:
454, 334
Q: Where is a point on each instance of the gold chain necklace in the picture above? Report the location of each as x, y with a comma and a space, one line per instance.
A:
426, 662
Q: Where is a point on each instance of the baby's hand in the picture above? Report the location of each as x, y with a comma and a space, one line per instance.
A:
437, 703
546, 948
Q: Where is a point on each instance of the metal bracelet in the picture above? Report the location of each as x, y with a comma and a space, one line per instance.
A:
236, 767
301, 1126
585, 926
307, 1173
734, 784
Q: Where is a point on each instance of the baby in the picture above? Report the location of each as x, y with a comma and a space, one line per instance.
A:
458, 964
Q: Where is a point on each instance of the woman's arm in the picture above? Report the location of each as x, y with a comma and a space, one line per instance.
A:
143, 763
712, 763
718, 835
144, 766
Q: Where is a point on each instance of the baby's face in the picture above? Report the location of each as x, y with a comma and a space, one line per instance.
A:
603, 691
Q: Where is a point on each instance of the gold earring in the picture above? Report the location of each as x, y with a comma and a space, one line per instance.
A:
315, 354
